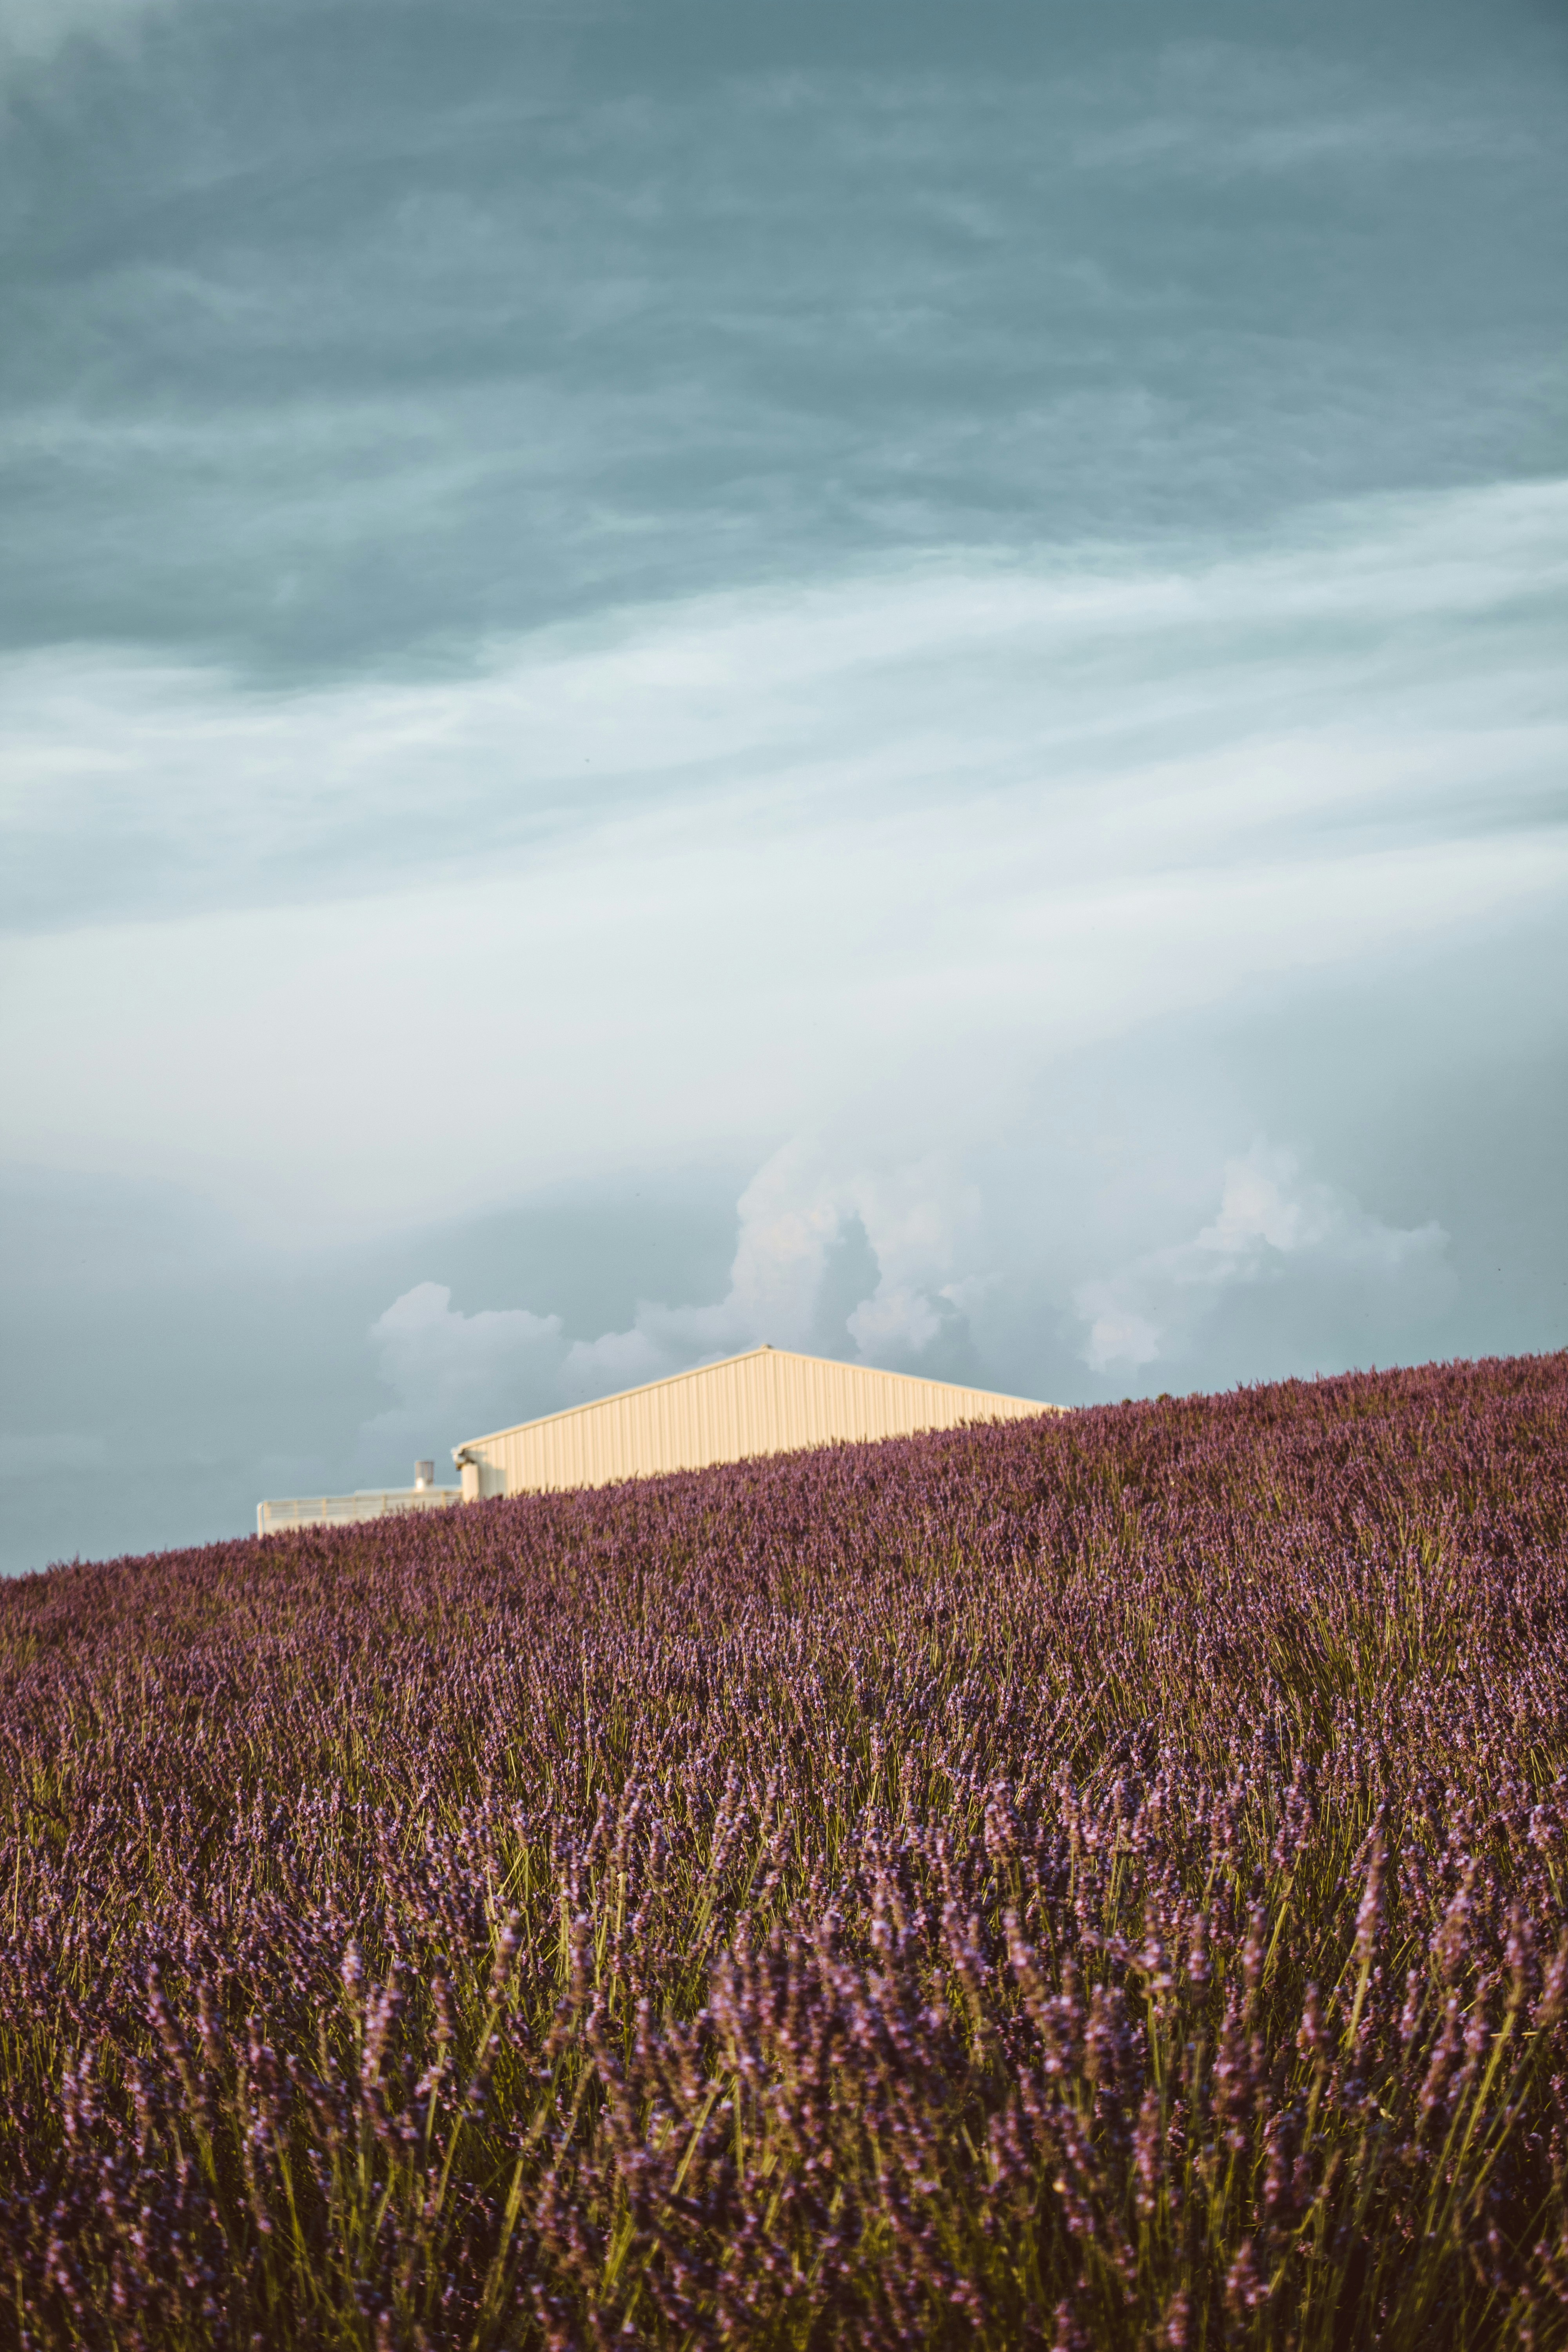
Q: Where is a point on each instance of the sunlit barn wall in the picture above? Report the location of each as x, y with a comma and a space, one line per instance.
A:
766, 1401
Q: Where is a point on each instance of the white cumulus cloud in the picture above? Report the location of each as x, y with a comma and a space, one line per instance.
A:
902, 1238
1274, 1225
445, 1366
920, 1223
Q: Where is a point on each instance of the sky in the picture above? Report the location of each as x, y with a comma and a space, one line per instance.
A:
879, 677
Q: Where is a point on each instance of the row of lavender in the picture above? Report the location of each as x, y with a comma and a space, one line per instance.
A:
1096, 1882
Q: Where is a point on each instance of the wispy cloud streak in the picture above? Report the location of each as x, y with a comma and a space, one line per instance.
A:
1348, 681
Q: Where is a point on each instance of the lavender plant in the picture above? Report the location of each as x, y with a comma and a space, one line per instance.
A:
1097, 1881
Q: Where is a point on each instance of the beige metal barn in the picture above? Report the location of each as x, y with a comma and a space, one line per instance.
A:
768, 1401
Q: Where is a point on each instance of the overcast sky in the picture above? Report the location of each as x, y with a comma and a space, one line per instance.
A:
883, 677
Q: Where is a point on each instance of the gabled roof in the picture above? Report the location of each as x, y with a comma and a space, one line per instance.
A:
766, 1401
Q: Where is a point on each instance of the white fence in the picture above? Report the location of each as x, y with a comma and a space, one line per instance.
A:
341, 1510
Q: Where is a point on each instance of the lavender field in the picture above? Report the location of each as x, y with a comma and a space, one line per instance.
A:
1097, 1881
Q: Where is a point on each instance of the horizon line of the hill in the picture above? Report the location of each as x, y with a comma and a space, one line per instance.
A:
1054, 1423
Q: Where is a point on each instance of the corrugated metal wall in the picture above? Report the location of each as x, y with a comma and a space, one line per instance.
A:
769, 1402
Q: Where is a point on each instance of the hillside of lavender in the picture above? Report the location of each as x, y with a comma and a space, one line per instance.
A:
1095, 1882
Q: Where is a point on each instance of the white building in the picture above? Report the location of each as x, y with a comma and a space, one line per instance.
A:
373, 1503
765, 1402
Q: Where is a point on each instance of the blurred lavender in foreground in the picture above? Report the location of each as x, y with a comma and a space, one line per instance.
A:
1096, 1882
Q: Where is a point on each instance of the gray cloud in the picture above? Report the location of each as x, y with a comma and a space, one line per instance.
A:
1389, 667
33, 32
347, 336
936, 829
